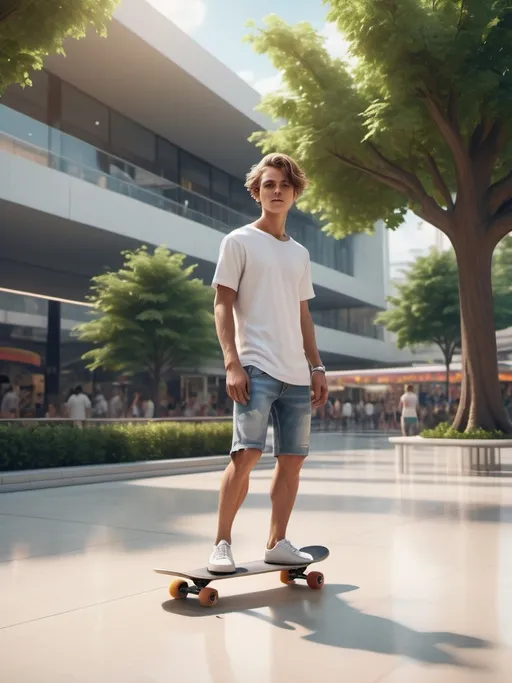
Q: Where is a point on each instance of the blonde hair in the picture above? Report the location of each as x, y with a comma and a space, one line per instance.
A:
293, 173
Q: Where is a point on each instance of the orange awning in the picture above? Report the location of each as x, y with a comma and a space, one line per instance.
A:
20, 356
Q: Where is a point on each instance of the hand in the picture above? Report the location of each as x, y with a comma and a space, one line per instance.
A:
320, 390
237, 384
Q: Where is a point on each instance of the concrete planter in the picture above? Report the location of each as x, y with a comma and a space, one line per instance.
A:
93, 474
472, 456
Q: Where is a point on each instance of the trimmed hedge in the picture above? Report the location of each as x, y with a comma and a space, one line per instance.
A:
42, 446
444, 430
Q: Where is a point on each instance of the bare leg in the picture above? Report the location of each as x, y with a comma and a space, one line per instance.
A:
283, 493
233, 490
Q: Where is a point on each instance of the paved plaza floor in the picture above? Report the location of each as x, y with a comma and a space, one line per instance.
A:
418, 584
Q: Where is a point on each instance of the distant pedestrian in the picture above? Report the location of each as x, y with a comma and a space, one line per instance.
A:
10, 404
79, 405
409, 408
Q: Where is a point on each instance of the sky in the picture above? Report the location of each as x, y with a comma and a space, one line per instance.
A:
220, 26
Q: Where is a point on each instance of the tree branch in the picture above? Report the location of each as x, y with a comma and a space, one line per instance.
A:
381, 177
499, 193
450, 133
438, 180
407, 184
408, 179
11, 8
500, 227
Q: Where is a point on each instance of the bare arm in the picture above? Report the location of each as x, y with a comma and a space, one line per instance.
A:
318, 380
308, 335
225, 324
237, 381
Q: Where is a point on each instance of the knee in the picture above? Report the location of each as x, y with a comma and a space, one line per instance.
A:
244, 461
290, 465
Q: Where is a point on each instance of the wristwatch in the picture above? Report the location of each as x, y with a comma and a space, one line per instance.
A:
318, 368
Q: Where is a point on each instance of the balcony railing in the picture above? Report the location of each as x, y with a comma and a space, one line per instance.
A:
28, 138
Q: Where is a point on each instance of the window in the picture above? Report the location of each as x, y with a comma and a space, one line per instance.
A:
241, 200
220, 187
167, 155
132, 142
195, 174
31, 100
84, 117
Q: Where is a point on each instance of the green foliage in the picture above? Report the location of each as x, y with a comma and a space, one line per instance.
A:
502, 283
426, 308
153, 316
427, 90
32, 29
23, 448
446, 431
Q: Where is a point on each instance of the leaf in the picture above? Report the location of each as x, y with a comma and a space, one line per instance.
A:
29, 31
151, 311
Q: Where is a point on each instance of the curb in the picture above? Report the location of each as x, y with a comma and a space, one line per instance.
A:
27, 480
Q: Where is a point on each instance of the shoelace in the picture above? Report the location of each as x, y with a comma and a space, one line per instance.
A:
222, 552
289, 546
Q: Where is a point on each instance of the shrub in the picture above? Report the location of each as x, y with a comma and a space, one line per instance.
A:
444, 430
42, 446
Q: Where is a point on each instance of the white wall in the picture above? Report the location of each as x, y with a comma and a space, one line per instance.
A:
161, 34
39, 187
52, 192
364, 348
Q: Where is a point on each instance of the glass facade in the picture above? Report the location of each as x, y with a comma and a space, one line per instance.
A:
100, 145
353, 320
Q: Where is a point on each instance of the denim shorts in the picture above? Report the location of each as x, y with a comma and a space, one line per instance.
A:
289, 405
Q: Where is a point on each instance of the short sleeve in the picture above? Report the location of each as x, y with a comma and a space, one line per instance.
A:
306, 290
230, 265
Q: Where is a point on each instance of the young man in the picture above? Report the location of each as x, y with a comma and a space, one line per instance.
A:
409, 408
263, 284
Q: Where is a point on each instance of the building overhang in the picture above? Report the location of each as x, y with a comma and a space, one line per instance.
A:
171, 85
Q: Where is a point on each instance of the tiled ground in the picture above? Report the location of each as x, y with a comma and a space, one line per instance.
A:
418, 584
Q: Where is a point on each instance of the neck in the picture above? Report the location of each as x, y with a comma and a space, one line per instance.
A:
273, 223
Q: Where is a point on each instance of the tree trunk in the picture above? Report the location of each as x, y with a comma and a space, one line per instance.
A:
155, 390
447, 381
481, 404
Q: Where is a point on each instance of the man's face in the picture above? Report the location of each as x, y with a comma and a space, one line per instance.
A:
276, 193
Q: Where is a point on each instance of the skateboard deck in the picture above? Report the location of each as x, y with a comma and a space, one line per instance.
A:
208, 597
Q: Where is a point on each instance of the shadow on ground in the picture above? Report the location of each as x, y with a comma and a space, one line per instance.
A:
333, 622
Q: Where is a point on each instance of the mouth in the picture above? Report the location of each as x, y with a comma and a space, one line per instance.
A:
278, 200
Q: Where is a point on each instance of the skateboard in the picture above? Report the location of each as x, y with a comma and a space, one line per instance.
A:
208, 597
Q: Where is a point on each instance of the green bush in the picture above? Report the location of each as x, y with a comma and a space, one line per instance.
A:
446, 431
23, 448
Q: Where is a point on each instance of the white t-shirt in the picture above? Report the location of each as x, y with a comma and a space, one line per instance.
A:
149, 409
368, 409
409, 404
78, 404
272, 278
347, 409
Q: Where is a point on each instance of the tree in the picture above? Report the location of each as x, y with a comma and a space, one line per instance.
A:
32, 29
152, 317
502, 283
426, 308
418, 119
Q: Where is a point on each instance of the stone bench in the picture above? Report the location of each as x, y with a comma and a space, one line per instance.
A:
481, 456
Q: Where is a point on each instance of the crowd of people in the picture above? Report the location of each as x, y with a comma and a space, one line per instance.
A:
383, 413
118, 404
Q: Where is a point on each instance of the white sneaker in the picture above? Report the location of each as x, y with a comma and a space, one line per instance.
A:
285, 553
221, 560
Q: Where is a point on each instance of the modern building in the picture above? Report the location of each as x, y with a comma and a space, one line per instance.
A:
142, 137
